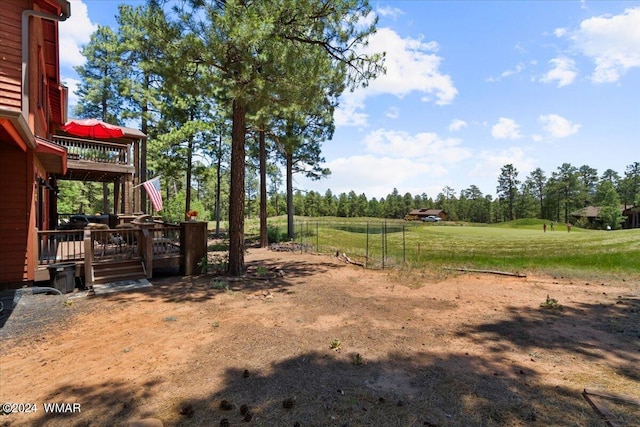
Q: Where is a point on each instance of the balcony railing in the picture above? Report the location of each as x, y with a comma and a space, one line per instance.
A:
95, 151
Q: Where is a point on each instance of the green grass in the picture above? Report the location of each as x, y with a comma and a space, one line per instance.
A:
516, 246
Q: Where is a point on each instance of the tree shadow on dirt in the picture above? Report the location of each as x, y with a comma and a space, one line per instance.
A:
592, 331
113, 400
261, 276
403, 388
334, 389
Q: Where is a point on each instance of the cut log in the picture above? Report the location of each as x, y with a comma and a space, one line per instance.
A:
346, 259
601, 408
473, 270
619, 398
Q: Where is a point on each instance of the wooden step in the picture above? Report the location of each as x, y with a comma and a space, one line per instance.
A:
116, 271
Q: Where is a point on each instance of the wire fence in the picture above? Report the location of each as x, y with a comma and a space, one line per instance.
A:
375, 244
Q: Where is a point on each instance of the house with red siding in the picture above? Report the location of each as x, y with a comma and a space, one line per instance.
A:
418, 214
33, 103
39, 147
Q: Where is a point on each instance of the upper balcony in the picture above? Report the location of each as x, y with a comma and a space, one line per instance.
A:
95, 160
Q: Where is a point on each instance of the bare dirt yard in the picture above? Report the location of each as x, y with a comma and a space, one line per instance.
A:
307, 340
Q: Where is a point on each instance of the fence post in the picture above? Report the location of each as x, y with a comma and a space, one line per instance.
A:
404, 247
317, 237
366, 259
382, 227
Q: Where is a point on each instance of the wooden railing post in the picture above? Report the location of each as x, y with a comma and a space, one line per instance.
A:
88, 258
146, 248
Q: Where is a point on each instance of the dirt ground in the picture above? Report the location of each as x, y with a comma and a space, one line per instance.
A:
307, 340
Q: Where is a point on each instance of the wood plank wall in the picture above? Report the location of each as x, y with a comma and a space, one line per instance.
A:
11, 54
15, 203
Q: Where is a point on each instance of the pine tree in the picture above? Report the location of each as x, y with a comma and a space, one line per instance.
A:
100, 92
508, 188
251, 45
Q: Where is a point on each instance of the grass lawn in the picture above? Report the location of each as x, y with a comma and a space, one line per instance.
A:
515, 246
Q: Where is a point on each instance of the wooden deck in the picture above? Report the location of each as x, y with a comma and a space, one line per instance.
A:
111, 253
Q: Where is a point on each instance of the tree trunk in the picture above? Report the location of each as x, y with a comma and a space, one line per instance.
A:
264, 236
236, 192
187, 206
541, 207
142, 173
105, 186
290, 226
218, 179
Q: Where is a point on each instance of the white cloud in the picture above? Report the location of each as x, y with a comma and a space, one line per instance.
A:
349, 112
412, 65
373, 175
413, 163
393, 12
557, 126
457, 124
506, 129
611, 42
491, 162
560, 32
72, 84
517, 70
393, 112
563, 72
427, 146
74, 33
376, 176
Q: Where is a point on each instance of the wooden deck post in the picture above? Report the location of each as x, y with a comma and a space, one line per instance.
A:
146, 247
88, 258
193, 246
128, 193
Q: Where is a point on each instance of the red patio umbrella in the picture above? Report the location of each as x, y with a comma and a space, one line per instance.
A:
92, 128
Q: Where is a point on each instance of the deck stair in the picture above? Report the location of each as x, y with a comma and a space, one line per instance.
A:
116, 271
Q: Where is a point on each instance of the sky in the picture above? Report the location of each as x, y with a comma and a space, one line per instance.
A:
470, 86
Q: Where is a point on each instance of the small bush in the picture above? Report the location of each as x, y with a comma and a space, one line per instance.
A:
276, 235
551, 304
335, 344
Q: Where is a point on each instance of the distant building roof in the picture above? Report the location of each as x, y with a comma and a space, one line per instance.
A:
590, 212
427, 212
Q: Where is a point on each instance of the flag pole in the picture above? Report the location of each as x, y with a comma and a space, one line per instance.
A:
141, 184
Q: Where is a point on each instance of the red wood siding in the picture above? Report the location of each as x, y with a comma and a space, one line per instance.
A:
16, 204
10, 53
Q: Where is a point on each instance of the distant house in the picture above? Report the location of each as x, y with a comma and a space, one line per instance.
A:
592, 214
418, 214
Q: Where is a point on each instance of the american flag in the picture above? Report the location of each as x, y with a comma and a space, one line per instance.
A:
153, 190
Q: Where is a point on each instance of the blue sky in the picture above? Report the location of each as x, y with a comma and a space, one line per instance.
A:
470, 87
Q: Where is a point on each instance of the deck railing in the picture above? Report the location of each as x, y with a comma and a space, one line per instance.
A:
60, 246
163, 245
115, 244
166, 240
95, 151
